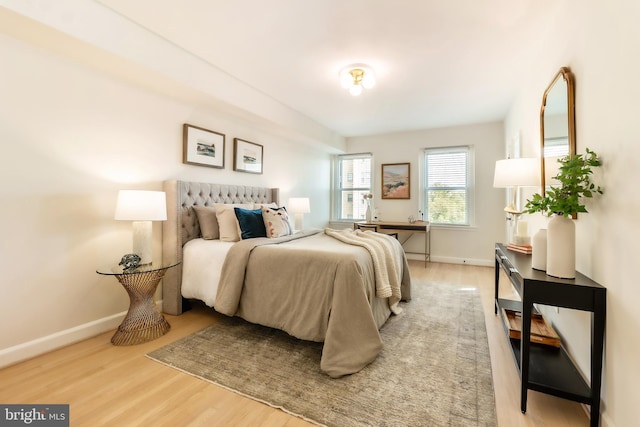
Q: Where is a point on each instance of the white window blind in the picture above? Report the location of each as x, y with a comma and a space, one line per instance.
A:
556, 147
447, 185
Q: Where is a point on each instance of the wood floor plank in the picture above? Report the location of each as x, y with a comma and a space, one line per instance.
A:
115, 386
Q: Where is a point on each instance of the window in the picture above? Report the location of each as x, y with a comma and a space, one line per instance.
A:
447, 185
556, 147
353, 180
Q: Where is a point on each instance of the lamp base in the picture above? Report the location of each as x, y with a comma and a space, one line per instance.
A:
298, 223
521, 240
142, 240
512, 210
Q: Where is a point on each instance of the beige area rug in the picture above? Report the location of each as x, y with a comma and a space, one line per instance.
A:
434, 369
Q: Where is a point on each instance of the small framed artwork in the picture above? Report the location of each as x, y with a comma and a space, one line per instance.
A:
395, 180
202, 147
247, 156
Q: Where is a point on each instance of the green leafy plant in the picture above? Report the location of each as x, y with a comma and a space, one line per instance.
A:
575, 184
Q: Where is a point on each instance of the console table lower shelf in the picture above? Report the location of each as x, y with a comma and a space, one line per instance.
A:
551, 370
543, 368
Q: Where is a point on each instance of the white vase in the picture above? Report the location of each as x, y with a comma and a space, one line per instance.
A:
539, 250
561, 247
367, 214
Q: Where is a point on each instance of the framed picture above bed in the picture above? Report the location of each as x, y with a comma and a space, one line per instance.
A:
202, 147
247, 156
396, 181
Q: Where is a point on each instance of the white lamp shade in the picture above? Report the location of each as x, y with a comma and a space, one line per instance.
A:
138, 205
299, 205
522, 172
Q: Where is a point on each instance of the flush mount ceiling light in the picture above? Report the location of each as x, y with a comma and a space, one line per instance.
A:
357, 76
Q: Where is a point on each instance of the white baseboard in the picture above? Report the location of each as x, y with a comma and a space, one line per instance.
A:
453, 260
29, 349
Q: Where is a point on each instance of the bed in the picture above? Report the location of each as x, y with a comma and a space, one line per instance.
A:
316, 285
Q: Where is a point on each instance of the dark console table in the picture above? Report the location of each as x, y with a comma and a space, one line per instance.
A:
543, 368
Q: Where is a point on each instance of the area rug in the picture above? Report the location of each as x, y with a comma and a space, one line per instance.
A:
434, 369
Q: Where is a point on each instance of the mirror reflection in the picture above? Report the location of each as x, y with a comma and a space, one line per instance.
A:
557, 124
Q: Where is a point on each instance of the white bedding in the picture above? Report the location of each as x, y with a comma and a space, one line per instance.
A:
201, 266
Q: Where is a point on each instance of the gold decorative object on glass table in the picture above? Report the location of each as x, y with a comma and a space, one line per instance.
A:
143, 321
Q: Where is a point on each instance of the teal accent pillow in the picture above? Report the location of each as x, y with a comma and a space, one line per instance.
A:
251, 223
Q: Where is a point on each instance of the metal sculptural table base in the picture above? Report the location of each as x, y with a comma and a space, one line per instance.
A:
143, 321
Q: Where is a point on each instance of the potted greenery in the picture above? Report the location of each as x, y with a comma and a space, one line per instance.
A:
562, 202
574, 177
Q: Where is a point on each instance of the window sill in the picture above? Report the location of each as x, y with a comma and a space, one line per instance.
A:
455, 227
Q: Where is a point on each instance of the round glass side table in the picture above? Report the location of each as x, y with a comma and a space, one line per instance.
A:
143, 321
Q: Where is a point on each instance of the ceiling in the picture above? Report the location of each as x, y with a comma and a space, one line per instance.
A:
438, 63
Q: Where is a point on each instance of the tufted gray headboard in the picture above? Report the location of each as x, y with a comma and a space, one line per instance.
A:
182, 224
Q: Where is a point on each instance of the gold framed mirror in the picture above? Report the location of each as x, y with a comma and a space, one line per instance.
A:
557, 125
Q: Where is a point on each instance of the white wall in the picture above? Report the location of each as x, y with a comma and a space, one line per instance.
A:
77, 124
90, 31
472, 245
597, 40
71, 136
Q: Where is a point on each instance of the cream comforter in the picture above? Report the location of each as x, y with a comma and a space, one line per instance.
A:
317, 288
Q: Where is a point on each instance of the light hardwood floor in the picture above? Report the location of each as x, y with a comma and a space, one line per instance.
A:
119, 386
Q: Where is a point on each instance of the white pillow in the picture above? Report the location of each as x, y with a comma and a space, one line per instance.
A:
265, 205
276, 222
227, 221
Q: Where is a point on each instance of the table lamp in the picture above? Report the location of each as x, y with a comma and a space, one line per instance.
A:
141, 207
521, 172
299, 206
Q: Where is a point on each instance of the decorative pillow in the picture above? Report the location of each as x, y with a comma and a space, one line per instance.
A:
208, 222
276, 222
265, 205
227, 221
251, 223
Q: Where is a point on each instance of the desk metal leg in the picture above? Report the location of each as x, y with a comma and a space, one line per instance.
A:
427, 247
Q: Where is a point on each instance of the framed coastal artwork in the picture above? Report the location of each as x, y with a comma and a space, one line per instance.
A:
395, 180
247, 156
202, 147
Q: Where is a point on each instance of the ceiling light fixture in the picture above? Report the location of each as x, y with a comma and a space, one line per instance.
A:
357, 76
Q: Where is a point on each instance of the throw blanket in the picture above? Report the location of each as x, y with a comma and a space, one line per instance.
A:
387, 256
313, 287
234, 269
